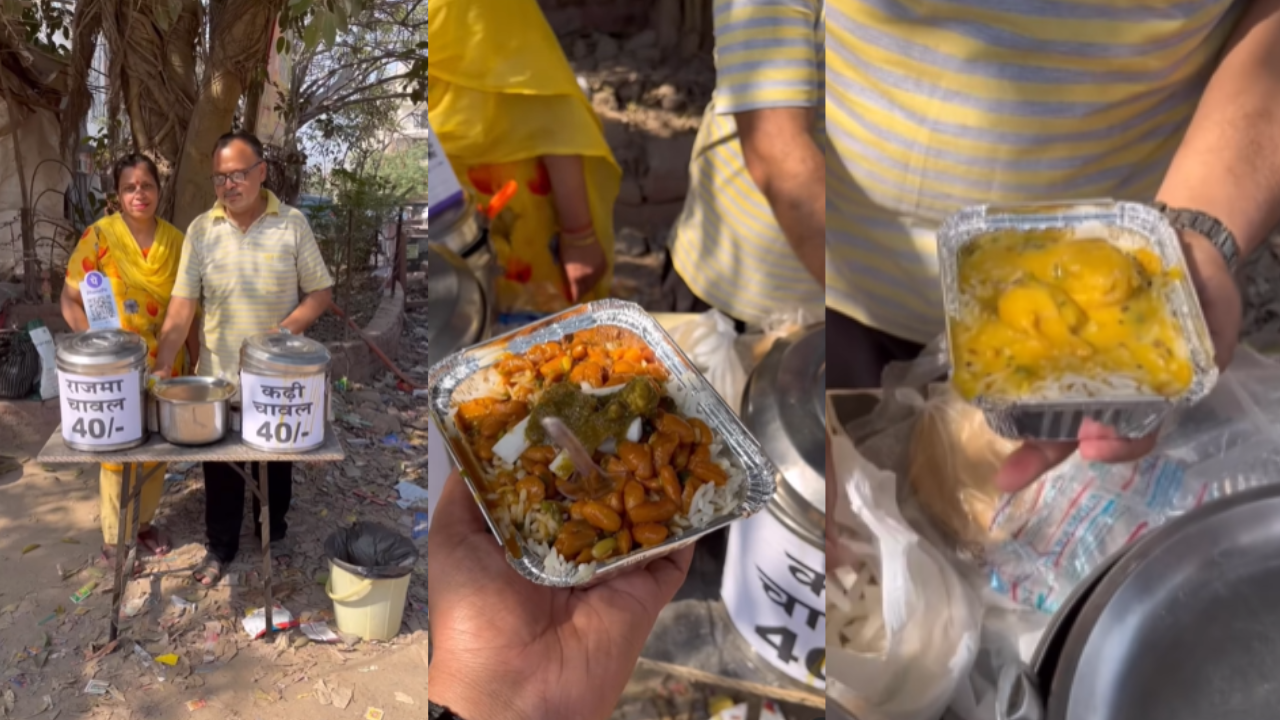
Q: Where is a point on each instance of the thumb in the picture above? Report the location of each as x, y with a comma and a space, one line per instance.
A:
1029, 462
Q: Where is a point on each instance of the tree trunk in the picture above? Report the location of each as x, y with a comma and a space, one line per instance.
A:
236, 51
158, 82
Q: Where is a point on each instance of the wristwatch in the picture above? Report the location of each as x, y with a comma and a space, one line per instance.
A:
1208, 226
440, 712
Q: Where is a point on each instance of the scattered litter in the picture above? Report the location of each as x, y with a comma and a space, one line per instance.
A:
19, 681
359, 442
419, 525
194, 705
96, 687
9, 700
101, 652
170, 659
323, 693
83, 593
342, 697
319, 632
70, 541
255, 623
322, 578
258, 694
396, 441
181, 603
148, 663
134, 607
373, 714
82, 611
371, 668
30, 547
420, 393
48, 619
410, 495
401, 697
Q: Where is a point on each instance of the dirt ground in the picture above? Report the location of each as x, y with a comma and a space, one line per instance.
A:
51, 646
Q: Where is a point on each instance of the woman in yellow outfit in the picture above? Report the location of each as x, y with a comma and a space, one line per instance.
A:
139, 254
508, 112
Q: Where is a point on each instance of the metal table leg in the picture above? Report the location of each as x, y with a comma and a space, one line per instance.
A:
117, 593
134, 478
263, 497
260, 489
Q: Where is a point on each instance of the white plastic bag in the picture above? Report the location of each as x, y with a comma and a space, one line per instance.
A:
48, 366
709, 341
932, 621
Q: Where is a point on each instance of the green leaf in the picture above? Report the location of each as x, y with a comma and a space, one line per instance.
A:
330, 30
280, 44
311, 36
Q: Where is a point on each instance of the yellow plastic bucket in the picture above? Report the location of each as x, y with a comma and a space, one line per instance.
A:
372, 609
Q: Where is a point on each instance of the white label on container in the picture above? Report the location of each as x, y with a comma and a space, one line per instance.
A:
282, 413
104, 410
440, 176
99, 302
775, 589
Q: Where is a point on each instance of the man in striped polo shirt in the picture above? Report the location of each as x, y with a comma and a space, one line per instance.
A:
751, 239
253, 265
933, 105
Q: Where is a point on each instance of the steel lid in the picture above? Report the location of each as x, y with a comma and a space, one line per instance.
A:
1200, 593
458, 309
284, 352
101, 348
783, 406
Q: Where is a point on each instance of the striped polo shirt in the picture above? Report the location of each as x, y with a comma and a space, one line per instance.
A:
933, 105
727, 246
246, 282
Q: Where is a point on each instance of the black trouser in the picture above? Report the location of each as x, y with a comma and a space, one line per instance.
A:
857, 354
224, 505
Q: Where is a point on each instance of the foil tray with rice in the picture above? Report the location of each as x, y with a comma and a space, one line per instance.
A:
677, 463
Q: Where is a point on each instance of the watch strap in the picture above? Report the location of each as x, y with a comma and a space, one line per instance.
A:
1202, 223
440, 712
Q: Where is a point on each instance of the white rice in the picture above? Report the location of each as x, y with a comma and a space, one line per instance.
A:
537, 530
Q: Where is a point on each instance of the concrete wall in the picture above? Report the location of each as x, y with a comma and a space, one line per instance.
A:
353, 359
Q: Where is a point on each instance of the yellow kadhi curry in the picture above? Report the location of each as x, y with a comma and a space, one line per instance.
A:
1045, 314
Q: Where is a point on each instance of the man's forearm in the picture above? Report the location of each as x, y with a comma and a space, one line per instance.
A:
308, 311
177, 323
1229, 162
788, 166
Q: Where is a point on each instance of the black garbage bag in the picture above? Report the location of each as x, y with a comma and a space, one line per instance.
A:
19, 365
372, 550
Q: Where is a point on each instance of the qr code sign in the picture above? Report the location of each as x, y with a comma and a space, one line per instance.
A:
100, 307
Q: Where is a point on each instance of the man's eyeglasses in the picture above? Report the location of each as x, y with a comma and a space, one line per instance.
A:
236, 177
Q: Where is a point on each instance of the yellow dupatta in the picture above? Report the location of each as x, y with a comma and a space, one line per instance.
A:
154, 273
500, 90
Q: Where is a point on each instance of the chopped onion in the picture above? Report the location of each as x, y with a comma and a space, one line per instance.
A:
609, 446
513, 444
562, 466
634, 430
601, 392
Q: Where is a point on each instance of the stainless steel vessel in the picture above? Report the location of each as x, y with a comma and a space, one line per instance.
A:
193, 410
102, 390
291, 361
783, 406
463, 233
460, 313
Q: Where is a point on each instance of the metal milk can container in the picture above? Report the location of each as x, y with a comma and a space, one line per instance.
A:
102, 390
284, 392
774, 582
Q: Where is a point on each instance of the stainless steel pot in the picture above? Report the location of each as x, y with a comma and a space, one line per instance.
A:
460, 312
102, 390
783, 407
286, 362
464, 234
193, 410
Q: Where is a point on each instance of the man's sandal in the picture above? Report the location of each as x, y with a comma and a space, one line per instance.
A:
209, 571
